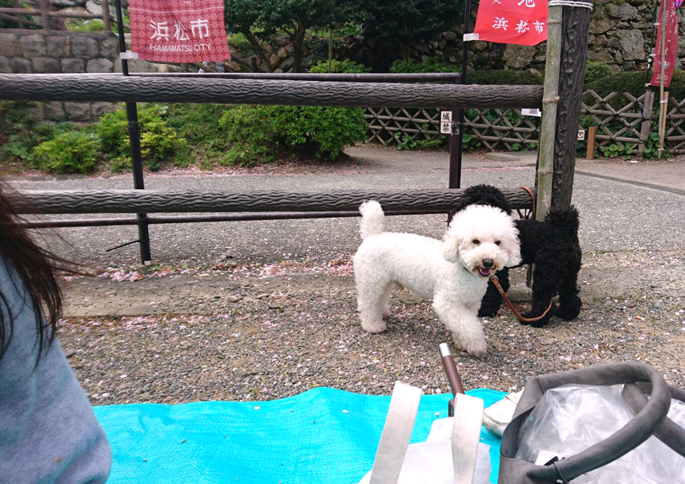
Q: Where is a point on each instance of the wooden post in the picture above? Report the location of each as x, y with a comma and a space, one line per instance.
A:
20, 18
45, 13
106, 16
645, 127
662, 100
591, 133
567, 43
548, 124
330, 48
662, 122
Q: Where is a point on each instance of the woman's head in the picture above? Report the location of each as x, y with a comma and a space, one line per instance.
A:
34, 275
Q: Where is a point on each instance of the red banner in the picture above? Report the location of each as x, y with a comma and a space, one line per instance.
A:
178, 30
671, 45
522, 22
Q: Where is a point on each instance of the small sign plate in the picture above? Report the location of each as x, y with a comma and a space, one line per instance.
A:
531, 112
581, 135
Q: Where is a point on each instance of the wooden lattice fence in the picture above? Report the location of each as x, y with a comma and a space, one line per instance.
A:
620, 118
675, 130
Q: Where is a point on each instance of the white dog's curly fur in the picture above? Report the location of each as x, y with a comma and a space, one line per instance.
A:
454, 272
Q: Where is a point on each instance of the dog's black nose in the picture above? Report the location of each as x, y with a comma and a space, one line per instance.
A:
488, 263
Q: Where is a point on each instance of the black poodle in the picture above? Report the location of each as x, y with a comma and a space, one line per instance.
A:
551, 245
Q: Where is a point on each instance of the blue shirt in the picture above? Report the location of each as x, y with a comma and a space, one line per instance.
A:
48, 431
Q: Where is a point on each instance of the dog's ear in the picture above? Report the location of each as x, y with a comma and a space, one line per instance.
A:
450, 247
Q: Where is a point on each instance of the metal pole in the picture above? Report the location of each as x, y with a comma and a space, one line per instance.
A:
134, 140
456, 158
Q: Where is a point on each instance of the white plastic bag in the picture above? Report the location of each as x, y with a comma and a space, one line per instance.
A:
431, 461
572, 418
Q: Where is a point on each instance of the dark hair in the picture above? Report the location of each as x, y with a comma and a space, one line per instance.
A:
32, 271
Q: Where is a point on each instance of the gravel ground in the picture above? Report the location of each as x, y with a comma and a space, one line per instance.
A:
265, 349
270, 332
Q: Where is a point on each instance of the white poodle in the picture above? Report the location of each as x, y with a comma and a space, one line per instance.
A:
454, 273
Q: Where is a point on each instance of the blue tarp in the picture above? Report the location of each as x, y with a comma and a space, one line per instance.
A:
320, 436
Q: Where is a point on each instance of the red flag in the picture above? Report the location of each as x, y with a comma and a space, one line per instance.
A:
522, 22
671, 45
178, 30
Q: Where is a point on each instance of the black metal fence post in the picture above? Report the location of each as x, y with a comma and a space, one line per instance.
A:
456, 159
134, 141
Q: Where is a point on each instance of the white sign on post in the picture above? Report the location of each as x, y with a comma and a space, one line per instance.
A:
531, 112
581, 135
445, 122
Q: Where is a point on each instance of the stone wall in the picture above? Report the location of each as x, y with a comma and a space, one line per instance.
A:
621, 36
47, 52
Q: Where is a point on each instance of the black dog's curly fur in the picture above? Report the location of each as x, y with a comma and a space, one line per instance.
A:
551, 245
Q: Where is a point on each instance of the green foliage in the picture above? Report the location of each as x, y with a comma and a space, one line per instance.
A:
199, 125
631, 82
405, 142
407, 22
412, 67
13, 24
504, 77
652, 147
86, 26
594, 71
239, 42
339, 67
159, 142
263, 19
258, 132
616, 150
69, 152
20, 133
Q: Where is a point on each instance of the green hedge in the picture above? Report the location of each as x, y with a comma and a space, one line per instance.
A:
594, 71
414, 67
259, 132
339, 67
507, 77
70, 152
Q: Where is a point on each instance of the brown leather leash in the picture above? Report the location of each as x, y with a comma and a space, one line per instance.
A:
532, 197
495, 281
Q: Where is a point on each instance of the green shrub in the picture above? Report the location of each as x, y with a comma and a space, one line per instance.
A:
159, 142
631, 82
414, 67
594, 71
69, 152
504, 77
339, 67
86, 26
258, 132
239, 42
20, 133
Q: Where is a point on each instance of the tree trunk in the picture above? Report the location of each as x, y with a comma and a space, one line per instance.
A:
258, 49
297, 39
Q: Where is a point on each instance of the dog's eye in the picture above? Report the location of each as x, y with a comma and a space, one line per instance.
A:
476, 241
497, 242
